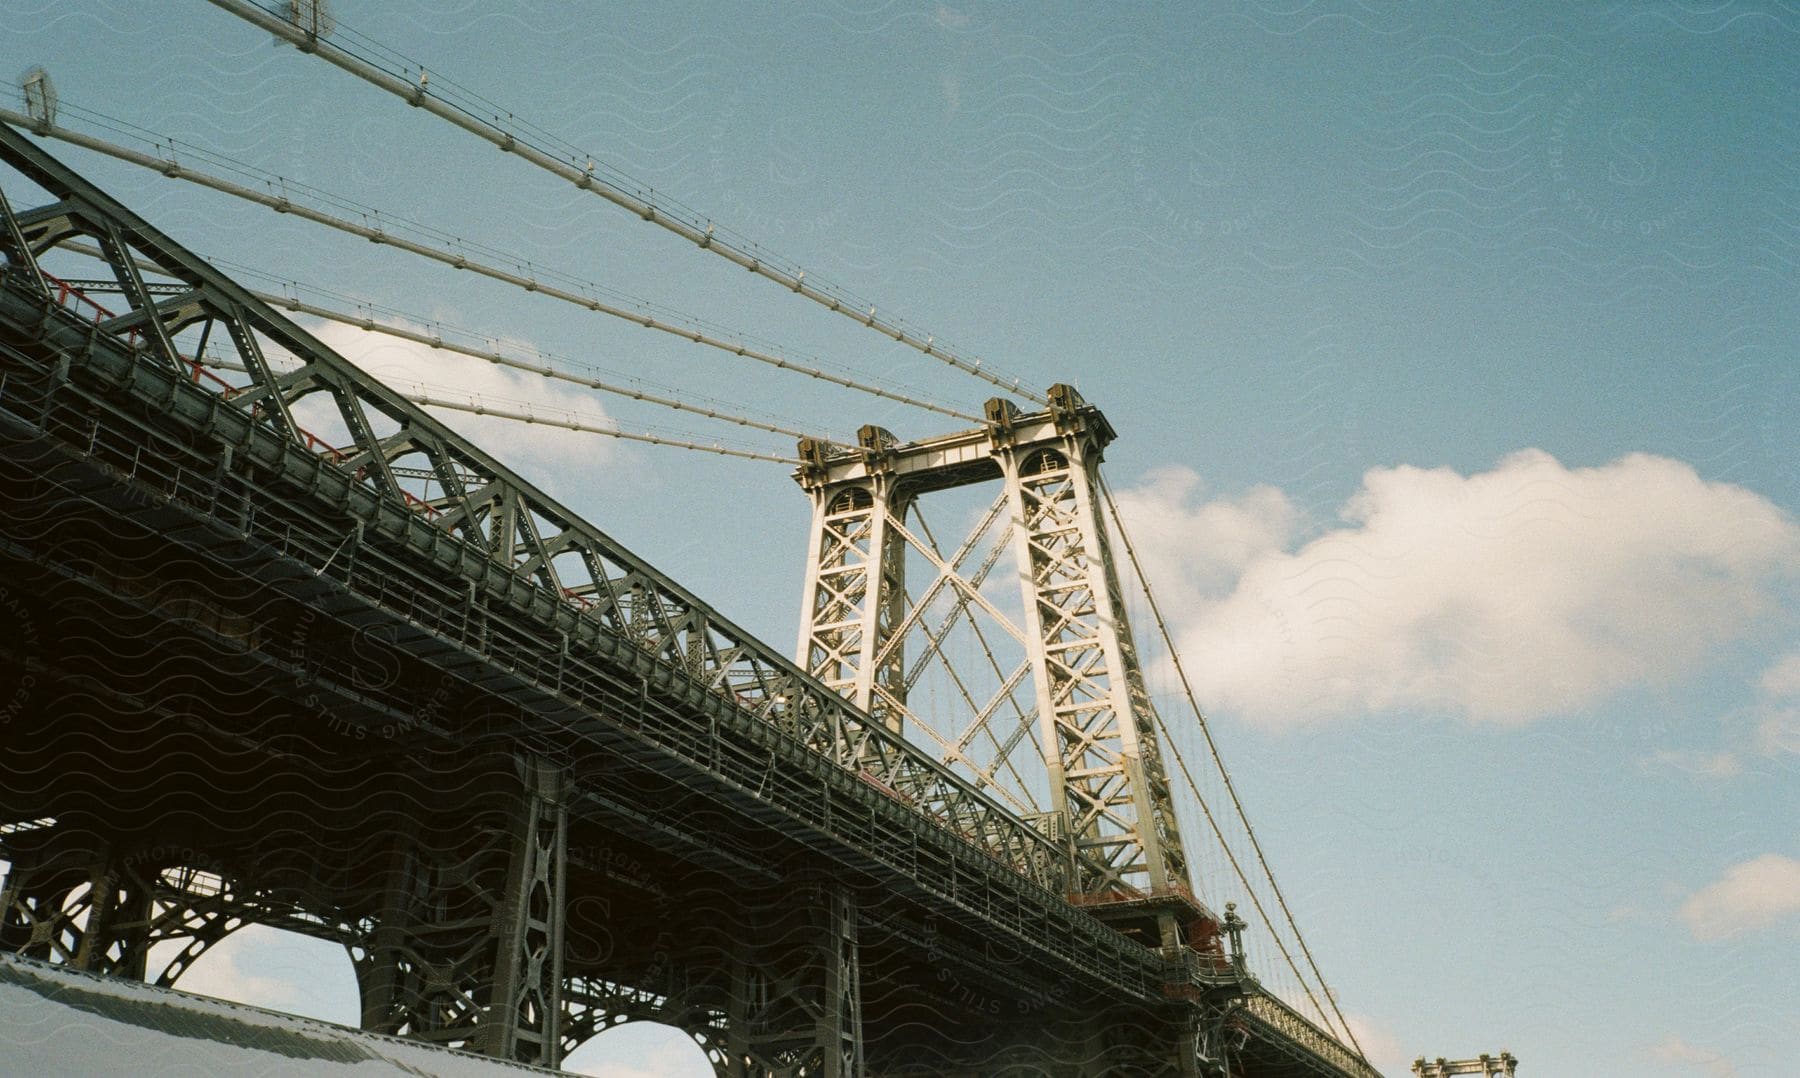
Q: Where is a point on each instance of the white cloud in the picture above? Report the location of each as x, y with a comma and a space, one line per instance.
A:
1193, 549
1769, 727
1528, 590
1779, 731
1674, 1050
951, 83
950, 18
640, 1050
536, 451
1755, 894
266, 967
1709, 765
1778, 712
1380, 1047
1782, 680
221, 977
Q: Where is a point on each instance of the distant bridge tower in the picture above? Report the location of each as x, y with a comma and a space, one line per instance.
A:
1504, 1065
1106, 792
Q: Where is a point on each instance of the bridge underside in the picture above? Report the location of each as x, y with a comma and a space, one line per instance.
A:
206, 734
232, 693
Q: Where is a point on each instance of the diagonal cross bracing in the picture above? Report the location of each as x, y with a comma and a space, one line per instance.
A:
377, 450
518, 551
1102, 766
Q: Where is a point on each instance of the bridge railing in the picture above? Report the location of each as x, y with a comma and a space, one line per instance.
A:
537, 554
545, 651
1274, 1014
472, 499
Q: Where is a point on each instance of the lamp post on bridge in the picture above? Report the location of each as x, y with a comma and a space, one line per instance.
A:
1234, 930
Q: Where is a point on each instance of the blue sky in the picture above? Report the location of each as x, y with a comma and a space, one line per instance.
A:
1452, 353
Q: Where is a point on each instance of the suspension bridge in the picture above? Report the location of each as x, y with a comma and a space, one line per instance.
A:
292, 652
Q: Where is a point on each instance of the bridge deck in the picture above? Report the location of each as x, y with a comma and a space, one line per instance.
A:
671, 722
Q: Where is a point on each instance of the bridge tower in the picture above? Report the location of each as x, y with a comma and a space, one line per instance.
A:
1504, 1065
1102, 768
532, 785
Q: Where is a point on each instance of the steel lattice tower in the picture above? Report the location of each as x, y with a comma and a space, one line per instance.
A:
1504, 1065
1108, 792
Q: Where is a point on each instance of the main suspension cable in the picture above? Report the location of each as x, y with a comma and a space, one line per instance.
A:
479, 405
435, 340
1230, 787
408, 80
499, 358
686, 328
521, 411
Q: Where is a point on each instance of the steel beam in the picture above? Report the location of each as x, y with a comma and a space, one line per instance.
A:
1097, 733
561, 646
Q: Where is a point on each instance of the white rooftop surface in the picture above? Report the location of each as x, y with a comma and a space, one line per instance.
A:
55, 1021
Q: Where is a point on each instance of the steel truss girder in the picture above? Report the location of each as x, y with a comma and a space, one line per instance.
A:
73, 906
773, 989
465, 953
604, 675
593, 1005
640, 622
469, 953
542, 549
794, 1006
74, 899
967, 600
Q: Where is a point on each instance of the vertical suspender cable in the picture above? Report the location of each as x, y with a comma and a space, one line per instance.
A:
1230, 788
